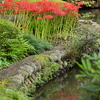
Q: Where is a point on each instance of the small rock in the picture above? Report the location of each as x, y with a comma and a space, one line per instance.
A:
54, 57
34, 66
58, 54
60, 67
18, 79
38, 66
28, 69
23, 73
65, 64
60, 62
63, 53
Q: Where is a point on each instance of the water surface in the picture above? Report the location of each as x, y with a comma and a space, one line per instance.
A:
64, 87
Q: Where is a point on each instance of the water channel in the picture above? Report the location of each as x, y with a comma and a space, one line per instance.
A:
65, 87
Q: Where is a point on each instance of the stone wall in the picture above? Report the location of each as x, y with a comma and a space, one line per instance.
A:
29, 73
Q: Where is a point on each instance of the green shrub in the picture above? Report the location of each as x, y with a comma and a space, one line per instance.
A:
7, 30
82, 43
91, 73
7, 93
12, 45
38, 44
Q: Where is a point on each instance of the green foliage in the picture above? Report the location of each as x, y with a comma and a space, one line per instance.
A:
7, 31
91, 71
8, 93
48, 67
12, 45
11, 94
38, 44
82, 43
47, 71
3, 62
87, 15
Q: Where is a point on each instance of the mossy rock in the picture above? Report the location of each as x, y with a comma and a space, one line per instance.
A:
42, 58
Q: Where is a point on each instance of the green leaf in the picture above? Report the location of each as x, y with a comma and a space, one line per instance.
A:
84, 64
81, 66
89, 67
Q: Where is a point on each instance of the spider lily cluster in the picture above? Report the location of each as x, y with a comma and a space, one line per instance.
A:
45, 19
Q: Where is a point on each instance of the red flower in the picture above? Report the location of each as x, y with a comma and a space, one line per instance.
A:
39, 18
80, 3
8, 0
16, 8
75, 14
49, 16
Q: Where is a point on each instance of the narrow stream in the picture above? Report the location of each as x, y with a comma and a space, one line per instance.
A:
65, 87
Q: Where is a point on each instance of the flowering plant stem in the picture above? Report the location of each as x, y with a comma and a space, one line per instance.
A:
47, 20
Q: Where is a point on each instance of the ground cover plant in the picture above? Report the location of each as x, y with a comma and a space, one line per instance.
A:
47, 20
38, 44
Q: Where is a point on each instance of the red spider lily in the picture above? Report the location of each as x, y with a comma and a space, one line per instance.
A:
40, 7
58, 12
39, 18
8, 4
1, 9
74, 15
80, 3
16, 8
49, 16
8, 0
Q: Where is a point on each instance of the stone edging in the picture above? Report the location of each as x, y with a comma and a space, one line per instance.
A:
29, 72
